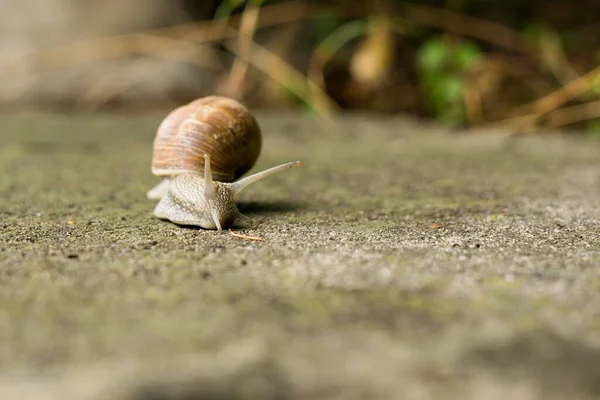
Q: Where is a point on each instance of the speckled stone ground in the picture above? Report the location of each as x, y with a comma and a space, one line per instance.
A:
401, 261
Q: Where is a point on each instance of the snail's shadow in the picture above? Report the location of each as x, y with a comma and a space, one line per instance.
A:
268, 207
252, 208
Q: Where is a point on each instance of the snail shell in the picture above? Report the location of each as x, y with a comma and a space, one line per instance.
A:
215, 125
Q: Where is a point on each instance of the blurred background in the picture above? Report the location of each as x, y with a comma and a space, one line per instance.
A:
527, 65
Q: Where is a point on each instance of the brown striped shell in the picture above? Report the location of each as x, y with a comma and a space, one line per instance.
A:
219, 126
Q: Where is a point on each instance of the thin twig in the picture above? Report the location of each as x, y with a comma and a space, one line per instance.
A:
245, 237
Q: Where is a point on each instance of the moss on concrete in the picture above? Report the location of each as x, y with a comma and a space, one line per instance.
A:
400, 259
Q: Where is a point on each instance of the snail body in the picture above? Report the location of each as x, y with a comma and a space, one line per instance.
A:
200, 149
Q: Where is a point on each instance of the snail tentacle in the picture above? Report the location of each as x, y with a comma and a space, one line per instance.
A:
209, 185
237, 186
215, 217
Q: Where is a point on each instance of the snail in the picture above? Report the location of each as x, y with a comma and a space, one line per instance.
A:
201, 148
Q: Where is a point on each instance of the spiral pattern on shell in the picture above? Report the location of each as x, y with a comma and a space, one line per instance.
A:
219, 126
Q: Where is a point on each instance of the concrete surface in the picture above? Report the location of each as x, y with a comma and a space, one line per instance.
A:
401, 261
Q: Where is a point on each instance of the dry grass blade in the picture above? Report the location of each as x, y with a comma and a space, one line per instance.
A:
552, 55
573, 114
110, 84
279, 70
328, 48
461, 24
238, 71
473, 103
152, 41
260, 57
137, 43
245, 237
371, 63
533, 111
568, 92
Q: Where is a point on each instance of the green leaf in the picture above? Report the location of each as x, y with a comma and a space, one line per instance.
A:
454, 115
594, 127
597, 59
227, 7
433, 55
445, 96
596, 84
466, 55
570, 40
342, 35
452, 87
323, 26
534, 31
